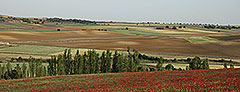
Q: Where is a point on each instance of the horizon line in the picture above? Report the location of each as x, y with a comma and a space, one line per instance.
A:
126, 21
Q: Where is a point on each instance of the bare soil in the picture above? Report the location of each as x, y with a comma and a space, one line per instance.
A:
117, 41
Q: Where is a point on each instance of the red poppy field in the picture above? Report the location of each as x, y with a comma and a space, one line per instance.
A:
195, 80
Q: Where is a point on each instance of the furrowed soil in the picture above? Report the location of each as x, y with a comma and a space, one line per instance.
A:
117, 41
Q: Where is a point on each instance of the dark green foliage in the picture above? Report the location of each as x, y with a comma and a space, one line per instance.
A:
60, 65
68, 61
174, 27
0, 71
108, 61
131, 67
24, 70
169, 67
3, 70
9, 66
187, 68
91, 62
118, 63
231, 65
160, 64
85, 66
116, 66
225, 65
12, 74
39, 67
52, 67
196, 64
141, 68
32, 66
19, 71
78, 63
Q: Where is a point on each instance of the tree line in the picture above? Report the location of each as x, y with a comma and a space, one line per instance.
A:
91, 62
66, 64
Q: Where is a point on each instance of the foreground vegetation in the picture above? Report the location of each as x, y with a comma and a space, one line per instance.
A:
188, 81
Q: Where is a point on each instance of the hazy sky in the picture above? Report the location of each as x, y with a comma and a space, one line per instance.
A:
200, 11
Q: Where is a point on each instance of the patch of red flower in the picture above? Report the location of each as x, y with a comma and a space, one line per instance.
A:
191, 80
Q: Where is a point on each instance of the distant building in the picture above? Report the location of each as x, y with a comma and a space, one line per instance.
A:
5, 43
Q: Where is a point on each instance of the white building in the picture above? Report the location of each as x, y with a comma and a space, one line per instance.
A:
5, 43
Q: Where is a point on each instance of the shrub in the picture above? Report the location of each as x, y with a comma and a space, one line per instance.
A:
169, 67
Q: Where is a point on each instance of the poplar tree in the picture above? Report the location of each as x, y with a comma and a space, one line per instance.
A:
135, 57
76, 62
1, 71
8, 72
9, 67
121, 63
79, 64
231, 65
31, 66
24, 70
108, 61
96, 63
4, 69
68, 60
19, 71
131, 64
160, 64
60, 65
103, 62
205, 64
39, 66
115, 67
90, 61
225, 65
85, 70
44, 71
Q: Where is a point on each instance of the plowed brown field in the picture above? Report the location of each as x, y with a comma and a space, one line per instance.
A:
111, 40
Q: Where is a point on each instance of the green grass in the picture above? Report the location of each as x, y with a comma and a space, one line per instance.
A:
33, 49
199, 39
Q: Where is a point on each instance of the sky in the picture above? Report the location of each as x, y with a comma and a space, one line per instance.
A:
188, 11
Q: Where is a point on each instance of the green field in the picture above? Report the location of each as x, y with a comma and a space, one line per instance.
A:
33, 49
14, 25
139, 31
183, 66
199, 39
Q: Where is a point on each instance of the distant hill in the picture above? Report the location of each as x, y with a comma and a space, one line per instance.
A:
11, 19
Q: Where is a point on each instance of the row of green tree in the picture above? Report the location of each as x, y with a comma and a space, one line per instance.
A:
88, 63
67, 64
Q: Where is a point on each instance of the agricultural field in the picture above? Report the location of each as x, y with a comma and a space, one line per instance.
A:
119, 46
43, 40
49, 39
187, 44
191, 80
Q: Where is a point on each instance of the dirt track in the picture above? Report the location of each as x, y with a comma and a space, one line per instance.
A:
111, 40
